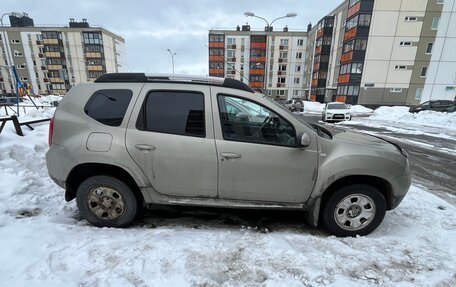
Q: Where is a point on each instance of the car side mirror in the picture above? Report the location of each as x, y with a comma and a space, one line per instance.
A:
305, 140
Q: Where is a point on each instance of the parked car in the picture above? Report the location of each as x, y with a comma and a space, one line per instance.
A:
336, 111
451, 109
129, 141
294, 105
436, 105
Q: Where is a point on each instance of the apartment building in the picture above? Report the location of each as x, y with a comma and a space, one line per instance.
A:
382, 52
267, 60
52, 59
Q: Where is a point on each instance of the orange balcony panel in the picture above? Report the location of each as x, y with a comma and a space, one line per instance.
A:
344, 78
313, 98
216, 44
256, 71
314, 82
258, 59
355, 8
216, 71
258, 45
346, 57
317, 66
350, 33
216, 58
318, 50
341, 99
256, 84
320, 33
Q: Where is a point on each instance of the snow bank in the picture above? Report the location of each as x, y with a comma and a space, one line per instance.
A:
313, 107
425, 118
358, 110
45, 243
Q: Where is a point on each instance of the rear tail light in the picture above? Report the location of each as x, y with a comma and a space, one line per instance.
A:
51, 131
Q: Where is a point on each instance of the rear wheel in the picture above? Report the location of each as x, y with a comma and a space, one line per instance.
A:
356, 209
106, 202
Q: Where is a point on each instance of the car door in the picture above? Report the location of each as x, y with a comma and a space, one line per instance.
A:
258, 158
170, 136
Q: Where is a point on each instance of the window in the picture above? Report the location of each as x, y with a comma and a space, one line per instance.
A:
283, 42
345, 69
411, 18
361, 44
22, 67
348, 46
93, 38
282, 67
281, 92
231, 53
299, 55
17, 54
298, 68
296, 80
357, 68
405, 44
400, 67
281, 80
423, 71
364, 20
173, 112
283, 55
246, 121
418, 93
300, 42
216, 52
435, 23
231, 41
24, 79
108, 106
353, 22
429, 48
396, 90
216, 38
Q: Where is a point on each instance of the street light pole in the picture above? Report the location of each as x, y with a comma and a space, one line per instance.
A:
9, 57
269, 29
172, 57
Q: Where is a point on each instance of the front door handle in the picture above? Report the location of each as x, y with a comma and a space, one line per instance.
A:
230, 155
145, 147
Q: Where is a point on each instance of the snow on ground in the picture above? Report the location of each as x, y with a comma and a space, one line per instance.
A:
45, 243
313, 107
399, 120
358, 110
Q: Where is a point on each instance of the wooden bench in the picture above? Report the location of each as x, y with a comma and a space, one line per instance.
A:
17, 124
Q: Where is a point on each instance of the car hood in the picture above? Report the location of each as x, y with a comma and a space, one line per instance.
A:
338, 111
365, 140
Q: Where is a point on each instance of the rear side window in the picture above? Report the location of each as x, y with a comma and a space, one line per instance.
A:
108, 106
173, 112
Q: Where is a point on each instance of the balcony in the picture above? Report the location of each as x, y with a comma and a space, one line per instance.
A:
280, 73
346, 57
50, 41
258, 59
38, 42
320, 33
95, 55
283, 47
231, 46
216, 44
216, 71
95, 68
318, 49
343, 79
54, 67
256, 71
353, 10
43, 68
316, 66
232, 72
41, 55
341, 99
231, 59
314, 82
258, 45
283, 60
46, 80
56, 80
281, 85
350, 34
256, 84
53, 55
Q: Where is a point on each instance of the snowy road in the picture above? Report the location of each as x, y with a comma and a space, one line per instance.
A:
43, 241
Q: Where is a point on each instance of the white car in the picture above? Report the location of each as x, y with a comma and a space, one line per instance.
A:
336, 111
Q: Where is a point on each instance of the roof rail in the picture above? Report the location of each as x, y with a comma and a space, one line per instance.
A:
174, 78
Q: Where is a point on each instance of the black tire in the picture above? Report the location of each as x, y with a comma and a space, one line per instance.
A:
122, 202
351, 194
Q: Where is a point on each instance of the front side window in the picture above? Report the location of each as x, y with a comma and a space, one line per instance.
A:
246, 121
108, 106
173, 112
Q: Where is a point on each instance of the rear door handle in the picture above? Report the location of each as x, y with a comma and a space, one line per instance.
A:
230, 155
145, 147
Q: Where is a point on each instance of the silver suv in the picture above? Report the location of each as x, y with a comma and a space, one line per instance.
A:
128, 141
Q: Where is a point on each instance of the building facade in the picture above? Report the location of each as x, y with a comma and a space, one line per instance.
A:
382, 52
270, 61
52, 59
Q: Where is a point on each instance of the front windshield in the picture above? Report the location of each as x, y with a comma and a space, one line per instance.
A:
337, 107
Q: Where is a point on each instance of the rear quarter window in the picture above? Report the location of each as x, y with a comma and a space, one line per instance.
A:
108, 106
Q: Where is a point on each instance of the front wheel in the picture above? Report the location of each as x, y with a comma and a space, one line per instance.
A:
356, 209
106, 202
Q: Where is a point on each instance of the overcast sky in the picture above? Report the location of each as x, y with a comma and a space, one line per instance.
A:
151, 27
